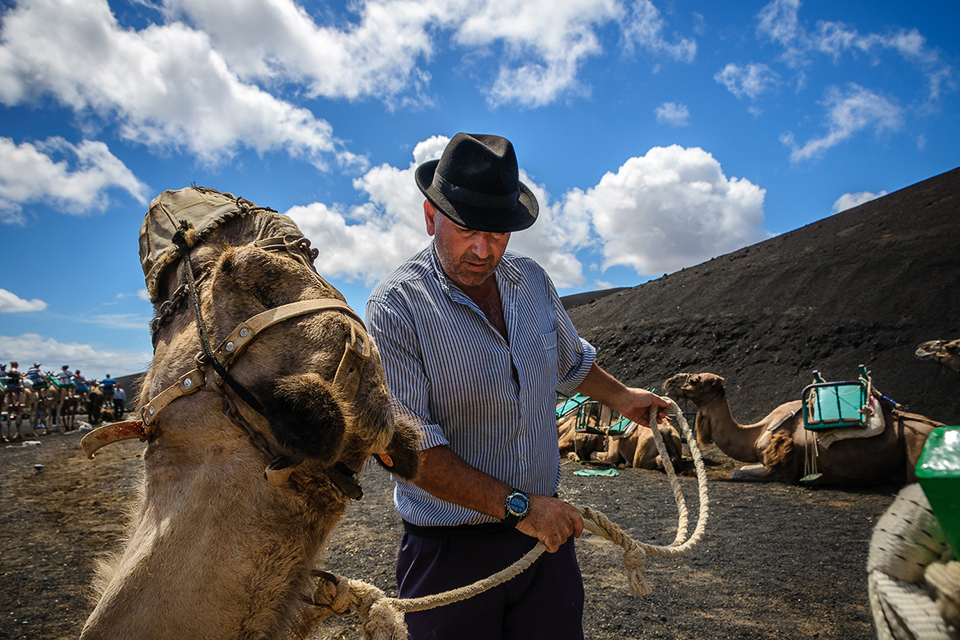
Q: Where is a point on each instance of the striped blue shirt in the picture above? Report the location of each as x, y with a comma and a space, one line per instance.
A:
447, 365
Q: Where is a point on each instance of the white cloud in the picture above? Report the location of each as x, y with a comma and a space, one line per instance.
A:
779, 22
74, 178
93, 361
376, 56
11, 302
849, 111
644, 27
671, 208
677, 115
537, 46
851, 200
165, 86
750, 81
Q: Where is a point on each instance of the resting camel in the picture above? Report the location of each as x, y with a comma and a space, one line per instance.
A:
636, 450
778, 452
946, 353
579, 445
253, 447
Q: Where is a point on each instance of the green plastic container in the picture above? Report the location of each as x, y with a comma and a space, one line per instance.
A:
938, 471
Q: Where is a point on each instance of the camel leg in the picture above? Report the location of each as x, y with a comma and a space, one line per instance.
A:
611, 455
752, 472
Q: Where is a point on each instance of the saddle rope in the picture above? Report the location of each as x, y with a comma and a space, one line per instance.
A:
382, 616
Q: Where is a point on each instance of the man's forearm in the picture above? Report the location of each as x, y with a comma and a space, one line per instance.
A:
444, 474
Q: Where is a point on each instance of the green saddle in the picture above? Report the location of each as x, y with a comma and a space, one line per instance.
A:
831, 405
570, 404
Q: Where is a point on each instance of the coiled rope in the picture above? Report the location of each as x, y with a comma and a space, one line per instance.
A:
382, 616
913, 576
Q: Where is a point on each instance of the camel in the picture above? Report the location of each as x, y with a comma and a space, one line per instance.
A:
579, 445
777, 444
946, 353
94, 404
638, 450
253, 446
25, 411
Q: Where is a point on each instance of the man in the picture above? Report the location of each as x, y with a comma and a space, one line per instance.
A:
107, 386
475, 344
119, 402
64, 377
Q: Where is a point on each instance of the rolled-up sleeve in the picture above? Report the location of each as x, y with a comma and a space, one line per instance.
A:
575, 356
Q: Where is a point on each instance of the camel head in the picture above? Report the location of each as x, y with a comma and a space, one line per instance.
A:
944, 352
699, 388
291, 367
305, 423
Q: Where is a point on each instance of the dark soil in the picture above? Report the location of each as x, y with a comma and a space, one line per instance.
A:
780, 562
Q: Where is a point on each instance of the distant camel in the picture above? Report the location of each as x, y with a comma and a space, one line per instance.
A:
946, 353
776, 445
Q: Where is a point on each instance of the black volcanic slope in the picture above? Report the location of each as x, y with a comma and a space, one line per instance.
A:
867, 285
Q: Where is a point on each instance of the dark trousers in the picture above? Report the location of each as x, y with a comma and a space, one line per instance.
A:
545, 601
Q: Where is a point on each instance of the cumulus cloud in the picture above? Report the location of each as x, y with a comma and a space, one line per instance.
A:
750, 81
851, 200
94, 362
677, 115
671, 208
72, 178
11, 302
165, 86
849, 110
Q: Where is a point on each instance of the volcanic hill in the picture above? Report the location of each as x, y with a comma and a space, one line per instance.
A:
864, 286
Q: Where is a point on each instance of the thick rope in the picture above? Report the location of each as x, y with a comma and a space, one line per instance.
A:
383, 616
914, 578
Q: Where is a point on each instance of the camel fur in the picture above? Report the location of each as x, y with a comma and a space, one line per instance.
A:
777, 452
941, 351
215, 550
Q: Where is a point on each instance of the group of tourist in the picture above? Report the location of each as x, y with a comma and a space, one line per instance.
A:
13, 382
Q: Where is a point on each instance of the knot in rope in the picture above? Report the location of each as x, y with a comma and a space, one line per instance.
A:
383, 616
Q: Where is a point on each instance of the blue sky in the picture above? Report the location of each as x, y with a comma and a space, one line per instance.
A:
656, 134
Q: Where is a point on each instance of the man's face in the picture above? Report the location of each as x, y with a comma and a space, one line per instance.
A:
468, 257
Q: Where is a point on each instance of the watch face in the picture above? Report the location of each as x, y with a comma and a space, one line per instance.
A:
518, 504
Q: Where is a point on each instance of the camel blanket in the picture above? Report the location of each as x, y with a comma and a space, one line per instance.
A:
205, 210
874, 427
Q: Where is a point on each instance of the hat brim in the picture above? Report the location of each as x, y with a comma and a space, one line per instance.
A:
477, 218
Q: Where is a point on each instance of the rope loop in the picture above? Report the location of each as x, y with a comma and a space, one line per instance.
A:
383, 616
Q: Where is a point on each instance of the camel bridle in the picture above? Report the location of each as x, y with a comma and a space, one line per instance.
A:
347, 378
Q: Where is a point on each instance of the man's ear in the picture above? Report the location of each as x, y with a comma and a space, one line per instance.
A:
430, 215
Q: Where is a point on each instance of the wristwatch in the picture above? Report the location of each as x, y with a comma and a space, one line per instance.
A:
517, 507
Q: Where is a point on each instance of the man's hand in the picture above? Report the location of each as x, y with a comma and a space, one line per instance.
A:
551, 521
638, 406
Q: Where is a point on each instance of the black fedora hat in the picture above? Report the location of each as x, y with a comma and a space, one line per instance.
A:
476, 183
